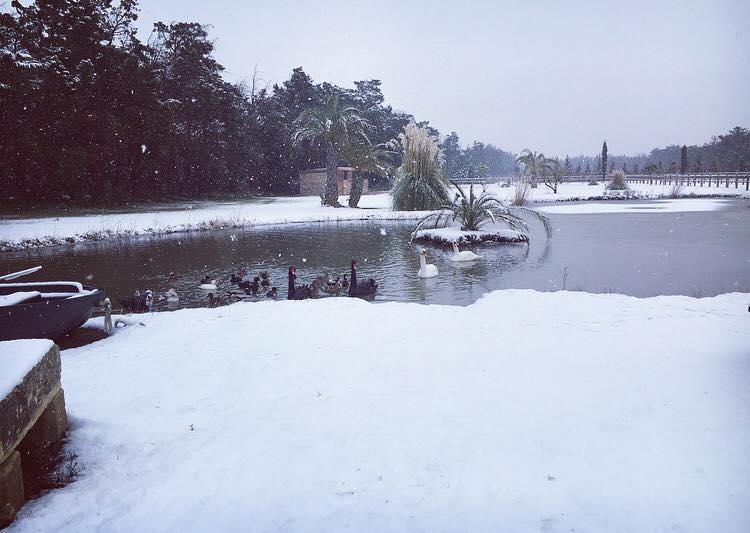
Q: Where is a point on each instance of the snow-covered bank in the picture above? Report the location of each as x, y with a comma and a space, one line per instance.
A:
526, 411
18, 234
30, 233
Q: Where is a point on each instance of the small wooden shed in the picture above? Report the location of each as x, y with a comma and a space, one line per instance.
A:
313, 181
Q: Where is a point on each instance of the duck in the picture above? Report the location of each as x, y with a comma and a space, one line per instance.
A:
237, 278
207, 284
426, 270
273, 293
265, 279
333, 287
466, 255
213, 301
363, 290
172, 297
345, 282
302, 292
138, 303
172, 276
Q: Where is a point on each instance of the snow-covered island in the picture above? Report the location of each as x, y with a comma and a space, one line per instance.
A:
449, 235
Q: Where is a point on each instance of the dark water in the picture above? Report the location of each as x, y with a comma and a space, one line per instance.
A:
640, 254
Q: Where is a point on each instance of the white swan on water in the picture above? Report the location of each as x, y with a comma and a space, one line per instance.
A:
426, 270
466, 255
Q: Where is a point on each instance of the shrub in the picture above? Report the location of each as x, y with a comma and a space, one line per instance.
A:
473, 212
618, 182
420, 182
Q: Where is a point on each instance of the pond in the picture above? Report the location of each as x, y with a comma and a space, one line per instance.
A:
641, 253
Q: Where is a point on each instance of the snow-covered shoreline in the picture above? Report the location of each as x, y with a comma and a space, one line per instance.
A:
626, 414
20, 234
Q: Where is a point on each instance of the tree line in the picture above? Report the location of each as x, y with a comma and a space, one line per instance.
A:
91, 114
725, 153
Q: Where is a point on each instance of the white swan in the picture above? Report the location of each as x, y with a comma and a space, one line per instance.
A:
466, 255
172, 296
425, 270
211, 286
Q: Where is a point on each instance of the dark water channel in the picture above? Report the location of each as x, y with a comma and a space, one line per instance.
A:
640, 254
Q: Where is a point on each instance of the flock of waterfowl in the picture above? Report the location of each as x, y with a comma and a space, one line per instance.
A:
260, 285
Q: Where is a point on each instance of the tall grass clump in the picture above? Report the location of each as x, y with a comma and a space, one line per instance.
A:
617, 182
420, 183
522, 193
676, 190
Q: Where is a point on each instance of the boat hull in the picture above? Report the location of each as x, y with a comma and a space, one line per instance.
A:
49, 319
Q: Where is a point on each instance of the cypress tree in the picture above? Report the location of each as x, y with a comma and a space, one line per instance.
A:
683, 160
604, 160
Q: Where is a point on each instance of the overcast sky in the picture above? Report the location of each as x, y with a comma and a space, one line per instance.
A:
554, 76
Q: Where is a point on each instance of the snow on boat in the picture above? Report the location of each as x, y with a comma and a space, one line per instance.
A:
44, 309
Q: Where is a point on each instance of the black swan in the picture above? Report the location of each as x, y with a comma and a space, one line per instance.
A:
362, 290
303, 292
138, 303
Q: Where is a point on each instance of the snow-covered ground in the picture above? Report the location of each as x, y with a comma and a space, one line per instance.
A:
47, 231
525, 411
683, 205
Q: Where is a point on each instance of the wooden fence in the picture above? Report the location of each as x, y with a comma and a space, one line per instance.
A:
736, 180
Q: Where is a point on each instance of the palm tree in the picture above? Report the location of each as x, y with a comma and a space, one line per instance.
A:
474, 211
367, 159
535, 164
336, 126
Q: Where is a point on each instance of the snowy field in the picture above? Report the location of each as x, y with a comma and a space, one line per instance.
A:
34, 232
525, 411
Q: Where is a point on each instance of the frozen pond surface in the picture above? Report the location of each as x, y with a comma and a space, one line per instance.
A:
640, 252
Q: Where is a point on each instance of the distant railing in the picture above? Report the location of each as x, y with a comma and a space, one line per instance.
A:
703, 179
708, 179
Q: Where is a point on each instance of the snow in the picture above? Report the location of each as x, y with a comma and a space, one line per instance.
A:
18, 358
18, 297
46, 231
662, 206
448, 235
525, 411
33, 232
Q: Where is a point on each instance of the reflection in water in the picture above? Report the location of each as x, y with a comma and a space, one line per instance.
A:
641, 254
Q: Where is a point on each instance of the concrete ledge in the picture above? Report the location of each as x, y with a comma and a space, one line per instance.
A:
21, 409
32, 416
11, 489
